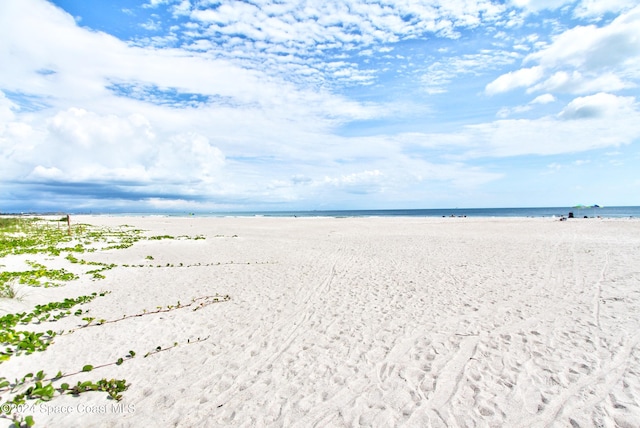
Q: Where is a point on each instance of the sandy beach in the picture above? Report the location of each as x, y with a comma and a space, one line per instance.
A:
332, 322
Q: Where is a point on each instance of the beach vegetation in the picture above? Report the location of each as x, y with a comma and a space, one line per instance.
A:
15, 342
35, 236
38, 387
26, 236
10, 290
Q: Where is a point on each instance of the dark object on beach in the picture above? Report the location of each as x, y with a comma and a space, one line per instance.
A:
570, 215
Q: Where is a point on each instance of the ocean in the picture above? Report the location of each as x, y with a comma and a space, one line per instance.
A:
605, 212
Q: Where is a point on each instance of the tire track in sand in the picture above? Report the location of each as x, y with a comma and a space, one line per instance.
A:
448, 380
291, 326
597, 297
595, 387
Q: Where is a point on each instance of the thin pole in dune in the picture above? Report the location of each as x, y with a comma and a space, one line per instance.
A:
69, 224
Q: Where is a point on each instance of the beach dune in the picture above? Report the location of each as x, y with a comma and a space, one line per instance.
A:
417, 322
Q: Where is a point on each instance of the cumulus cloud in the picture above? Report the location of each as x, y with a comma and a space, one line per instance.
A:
594, 48
578, 83
543, 99
190, 157
595, 9
46, 173
581, 60
586, 123
126, 149
515, 79
600, 105
7, 108
88, 130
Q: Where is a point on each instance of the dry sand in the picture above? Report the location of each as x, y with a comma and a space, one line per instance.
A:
417, 322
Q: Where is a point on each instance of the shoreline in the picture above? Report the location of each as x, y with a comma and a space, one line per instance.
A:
346, 321
532, 212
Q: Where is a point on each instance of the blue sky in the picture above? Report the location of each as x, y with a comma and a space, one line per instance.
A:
202, 105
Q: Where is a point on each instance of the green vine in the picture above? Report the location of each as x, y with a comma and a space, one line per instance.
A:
196, 304
19, 235
16, 342
40, 388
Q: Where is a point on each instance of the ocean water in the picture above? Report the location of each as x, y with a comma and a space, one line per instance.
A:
605, 212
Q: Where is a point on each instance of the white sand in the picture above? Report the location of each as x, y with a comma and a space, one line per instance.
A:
360, 322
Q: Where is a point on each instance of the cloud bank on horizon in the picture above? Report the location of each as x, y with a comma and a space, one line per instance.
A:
201, 105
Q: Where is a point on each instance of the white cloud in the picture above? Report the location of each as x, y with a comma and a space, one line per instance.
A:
182, 8
190, 157
78, 145
18, 147
440, 74
581, 60
538, 5
43, 173
505, 112
578, 83
310, 31
360, 182
155, 3
7, 108
605, 121
90, 61
600, 105
83, 147
596, 8
88, 130
544, 99
594, 48
515, 79
152, 25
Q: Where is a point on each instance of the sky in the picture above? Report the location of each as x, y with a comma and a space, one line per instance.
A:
215, 105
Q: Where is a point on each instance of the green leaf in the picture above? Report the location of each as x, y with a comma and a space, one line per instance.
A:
87, 368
